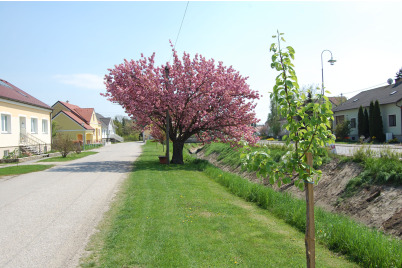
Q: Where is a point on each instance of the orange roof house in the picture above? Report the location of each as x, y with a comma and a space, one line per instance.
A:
77, 122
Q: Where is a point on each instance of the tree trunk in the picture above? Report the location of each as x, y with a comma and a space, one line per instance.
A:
177, 152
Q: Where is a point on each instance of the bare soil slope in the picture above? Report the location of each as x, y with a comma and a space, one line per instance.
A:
375, 206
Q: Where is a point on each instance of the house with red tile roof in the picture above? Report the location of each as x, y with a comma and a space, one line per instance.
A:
25, 122
81, 124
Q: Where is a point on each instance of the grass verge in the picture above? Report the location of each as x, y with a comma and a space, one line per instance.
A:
22, 169
72, 156
177, 216
365, 246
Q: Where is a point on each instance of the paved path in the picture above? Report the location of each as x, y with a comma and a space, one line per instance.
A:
46, 217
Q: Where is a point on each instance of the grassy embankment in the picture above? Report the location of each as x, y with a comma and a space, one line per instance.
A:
367, 247
177, 216
22, 169
69, 157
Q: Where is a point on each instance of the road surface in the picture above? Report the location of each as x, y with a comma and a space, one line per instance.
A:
47, 217
349, 149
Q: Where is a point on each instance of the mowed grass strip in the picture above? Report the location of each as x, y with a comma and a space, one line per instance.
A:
70, 157
22, 169
175, 216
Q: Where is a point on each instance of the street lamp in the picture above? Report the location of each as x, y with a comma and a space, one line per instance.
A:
332, 62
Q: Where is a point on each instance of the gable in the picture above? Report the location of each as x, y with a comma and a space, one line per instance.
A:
69, 121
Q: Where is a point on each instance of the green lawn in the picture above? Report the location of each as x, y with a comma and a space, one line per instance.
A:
22, 169
69, 157
176, 216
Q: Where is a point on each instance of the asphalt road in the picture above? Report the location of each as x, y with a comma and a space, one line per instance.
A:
349, 149
47, 217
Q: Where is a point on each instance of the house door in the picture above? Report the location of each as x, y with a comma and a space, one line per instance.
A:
23, 128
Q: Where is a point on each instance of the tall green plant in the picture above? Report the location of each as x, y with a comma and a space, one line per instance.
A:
378, 125
308, 124
371, 120
360, 122
366, 130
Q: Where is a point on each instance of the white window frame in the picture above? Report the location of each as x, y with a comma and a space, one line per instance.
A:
45, 126
5, 123
34, 125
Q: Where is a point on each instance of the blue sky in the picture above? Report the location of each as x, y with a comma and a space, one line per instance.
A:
62, 50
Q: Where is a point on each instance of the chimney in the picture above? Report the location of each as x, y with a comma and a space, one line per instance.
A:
67, 101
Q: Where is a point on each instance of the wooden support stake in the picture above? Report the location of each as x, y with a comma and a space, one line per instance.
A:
310, 227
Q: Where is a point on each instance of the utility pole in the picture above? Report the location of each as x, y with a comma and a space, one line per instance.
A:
167, 117
167, 136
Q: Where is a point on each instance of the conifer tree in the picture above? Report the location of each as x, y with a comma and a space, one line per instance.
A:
379, 131
399, 74
371, 120
360, 122
366, 131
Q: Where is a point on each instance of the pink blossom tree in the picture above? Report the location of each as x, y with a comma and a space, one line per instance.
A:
205, 99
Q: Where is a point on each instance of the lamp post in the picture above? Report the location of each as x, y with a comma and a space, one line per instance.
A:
332, 62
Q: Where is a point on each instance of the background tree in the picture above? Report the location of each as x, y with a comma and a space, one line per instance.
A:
378, 125
366, 130
360, 122
273, 121
399, 74
371, 120
203, 98
125, 127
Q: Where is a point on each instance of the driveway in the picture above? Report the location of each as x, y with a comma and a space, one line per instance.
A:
47, 217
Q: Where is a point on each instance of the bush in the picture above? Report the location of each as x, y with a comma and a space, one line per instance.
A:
64, 144
342, 130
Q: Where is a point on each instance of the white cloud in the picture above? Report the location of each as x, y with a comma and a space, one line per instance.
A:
87, 81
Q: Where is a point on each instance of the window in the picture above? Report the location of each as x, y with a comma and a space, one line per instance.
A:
339, 119
45, 126
353, 123
34, 125
392, 120
5, 123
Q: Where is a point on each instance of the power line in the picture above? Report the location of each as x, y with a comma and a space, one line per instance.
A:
364, 88
175, 43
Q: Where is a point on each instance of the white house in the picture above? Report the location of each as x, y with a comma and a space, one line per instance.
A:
390, 99
25, 122
108, 129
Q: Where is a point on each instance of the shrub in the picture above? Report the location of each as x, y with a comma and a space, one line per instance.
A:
63, 143
342, 130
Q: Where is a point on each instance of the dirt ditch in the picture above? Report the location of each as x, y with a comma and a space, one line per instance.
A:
375, 206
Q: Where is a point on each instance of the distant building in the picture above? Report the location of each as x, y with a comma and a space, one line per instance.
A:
337, 100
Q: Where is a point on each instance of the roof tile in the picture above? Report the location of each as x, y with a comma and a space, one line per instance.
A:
11, 92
